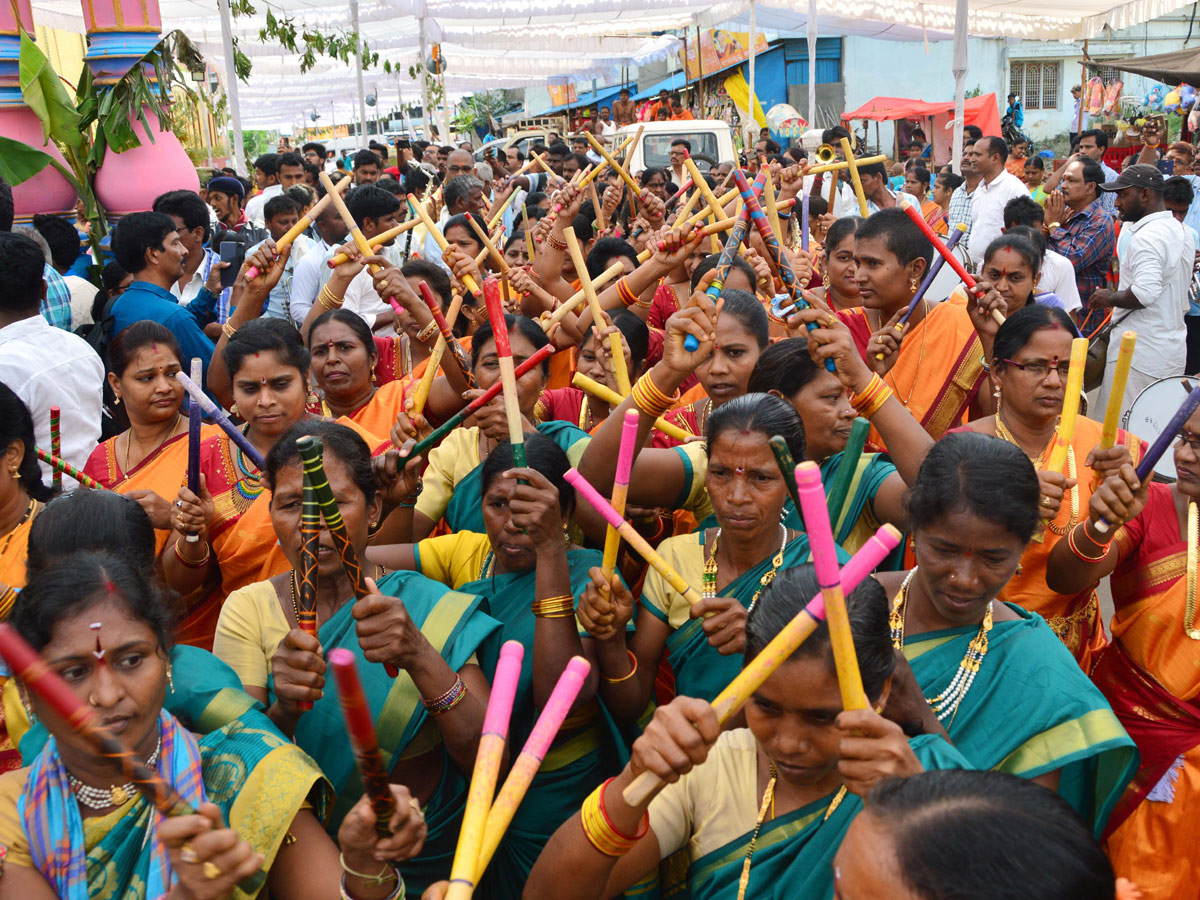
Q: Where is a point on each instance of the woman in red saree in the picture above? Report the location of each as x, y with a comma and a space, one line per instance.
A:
1150, 673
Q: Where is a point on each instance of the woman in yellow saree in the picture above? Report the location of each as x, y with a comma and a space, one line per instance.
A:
72, 828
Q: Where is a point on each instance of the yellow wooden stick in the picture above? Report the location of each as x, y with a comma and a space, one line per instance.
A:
616, 348
1112, 413
852, 164
308, 218
608, 157
488, 247
770, 208
443, 244
355, 232
834, 167
1070, 410
613, 399
382, 238
710, 198
597, 207
687, 209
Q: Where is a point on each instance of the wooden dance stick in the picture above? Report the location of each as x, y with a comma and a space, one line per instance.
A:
440, 239
222, 419
855, 179
780, 649
306, 576
331, 190
939, 245
612, 539
597, 206
312, 459
488, 247
640, 545
838, 166
194, 423
839, 488
466, 869
613, 399
616, 349
61, 465
804, 221
824, 554
508, 376
378, 240
421, 395
56, 444
608, 158
447, 335
356, 234
787, 466
1112, 412
725, 224
539, 356
361, 731
498, 214
1070, 409
520, 776
687, 208
40, 679
687, 186
718, 212
769, 206
586, 179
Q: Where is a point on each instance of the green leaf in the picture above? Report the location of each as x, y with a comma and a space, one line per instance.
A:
44, 93
19, 162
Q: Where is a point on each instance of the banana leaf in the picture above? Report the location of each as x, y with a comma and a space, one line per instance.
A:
19, 162
44, 93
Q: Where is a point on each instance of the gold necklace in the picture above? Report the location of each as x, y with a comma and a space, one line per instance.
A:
129, 439
25, 517
920, 356
945, 705
1190, 626
709, 579
768, 802
1072, 519
702, 414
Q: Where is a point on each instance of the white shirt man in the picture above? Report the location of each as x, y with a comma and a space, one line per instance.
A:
996, 187
47, 366
254, 206
1156, 259
1058, 277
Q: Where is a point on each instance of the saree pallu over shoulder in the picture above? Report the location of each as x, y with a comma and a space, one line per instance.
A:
453, 623
1030, 711
795, 850
464, 511
856, 524
939, 370
700, 670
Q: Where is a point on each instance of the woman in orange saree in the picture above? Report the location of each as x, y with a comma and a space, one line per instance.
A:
147, 461
1032, 350
1151, 671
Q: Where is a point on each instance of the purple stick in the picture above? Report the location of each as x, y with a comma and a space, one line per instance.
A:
219, 416
804, 222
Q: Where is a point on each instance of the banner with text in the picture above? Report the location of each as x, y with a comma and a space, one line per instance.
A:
719, 49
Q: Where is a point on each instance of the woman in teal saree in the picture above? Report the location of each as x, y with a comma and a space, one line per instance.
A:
753, 808
1027, 709
73, 827
734, 561
528, 576
452, 484
432, 636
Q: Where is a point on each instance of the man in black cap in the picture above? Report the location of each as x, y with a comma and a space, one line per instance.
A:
225, 196
1156, 256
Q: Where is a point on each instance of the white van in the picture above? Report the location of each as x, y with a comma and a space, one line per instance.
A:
711, 140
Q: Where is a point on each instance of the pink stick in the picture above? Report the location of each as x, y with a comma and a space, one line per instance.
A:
628, 440
504, 689
816, 523
592, 496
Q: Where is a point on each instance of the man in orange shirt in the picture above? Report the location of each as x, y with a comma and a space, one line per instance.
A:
678, 112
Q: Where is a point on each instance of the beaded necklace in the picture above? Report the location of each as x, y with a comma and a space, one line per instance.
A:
250, 484
1190, 627
709, 582
117, 795
768, 802
945, 705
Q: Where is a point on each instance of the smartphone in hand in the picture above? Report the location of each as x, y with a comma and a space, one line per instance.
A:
234, 253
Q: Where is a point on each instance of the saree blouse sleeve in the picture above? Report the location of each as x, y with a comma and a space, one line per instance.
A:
12, 830
449, 462
694, 496
658, 597
249, 631
452, 559
711, 805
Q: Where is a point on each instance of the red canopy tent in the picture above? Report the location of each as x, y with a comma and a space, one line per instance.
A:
982, 111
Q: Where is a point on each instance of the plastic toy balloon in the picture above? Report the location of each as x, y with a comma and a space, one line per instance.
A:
784, 119
1187, 97
1171, 101
1153, 98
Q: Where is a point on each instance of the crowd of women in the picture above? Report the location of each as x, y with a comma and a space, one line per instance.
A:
1015, 744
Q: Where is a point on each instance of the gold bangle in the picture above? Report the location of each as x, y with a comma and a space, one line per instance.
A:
599, 830
193, 563
630, 674
389, 873
554, 607
228, 329
328, 299
428, 331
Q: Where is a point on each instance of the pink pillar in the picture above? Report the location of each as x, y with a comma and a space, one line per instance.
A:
47, 191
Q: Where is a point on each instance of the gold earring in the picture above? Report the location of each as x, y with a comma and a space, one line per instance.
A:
825, 280
170, 681
14, 472
912, 284
117, 400
374, 377
233, 411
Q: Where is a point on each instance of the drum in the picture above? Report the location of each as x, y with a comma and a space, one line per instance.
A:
1152, 410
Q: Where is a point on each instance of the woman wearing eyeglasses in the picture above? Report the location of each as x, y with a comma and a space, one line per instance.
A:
1150, 674
1032, 352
